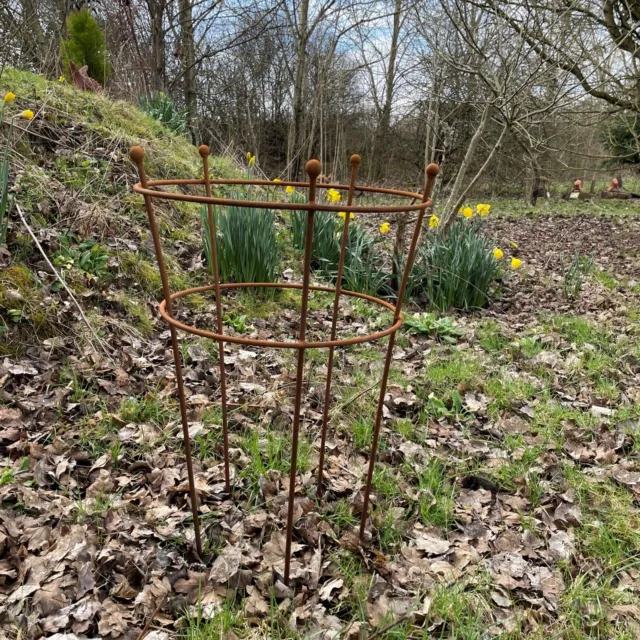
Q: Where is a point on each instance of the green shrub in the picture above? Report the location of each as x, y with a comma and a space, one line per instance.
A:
246, 242
161, 107
361, 265
455, 270
362, 270
325, 251
86, 45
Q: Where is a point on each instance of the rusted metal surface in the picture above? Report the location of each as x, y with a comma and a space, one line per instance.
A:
204, 154
355, 163
313, 170
288, 206
277, 344
137, 155
150, 189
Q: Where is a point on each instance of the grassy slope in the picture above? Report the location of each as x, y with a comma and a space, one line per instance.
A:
72, 175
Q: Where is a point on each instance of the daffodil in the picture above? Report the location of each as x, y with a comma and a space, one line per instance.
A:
498, 254
385, 227
483, 209
277, 180
28, 114
516, 263
333, 195
248, 156
434, 221
343, 215
252, 161
9, 96
467, 212
290, 189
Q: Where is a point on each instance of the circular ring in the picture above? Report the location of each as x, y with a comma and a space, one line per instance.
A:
291, 206
275, 344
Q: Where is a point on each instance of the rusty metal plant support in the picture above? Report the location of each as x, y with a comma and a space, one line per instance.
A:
151, 189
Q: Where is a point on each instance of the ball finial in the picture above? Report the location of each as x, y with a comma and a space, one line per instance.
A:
313, 168
136, 154
203, 150
433, 170
356, 159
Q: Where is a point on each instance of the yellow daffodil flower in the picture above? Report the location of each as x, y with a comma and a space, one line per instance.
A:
252, 161
343, 215
9, 96
498, 254
248, 156
290, 189
277, 180
333, 195
434, 221
28, 114
483, 209
467, 212
385, 227
516, 263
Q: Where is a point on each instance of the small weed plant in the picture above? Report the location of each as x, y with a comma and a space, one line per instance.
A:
574, 273
88, 256
430, 324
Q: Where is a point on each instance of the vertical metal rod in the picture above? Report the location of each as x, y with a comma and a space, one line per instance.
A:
313, 169
204, 153
137, 155
355, 163
432, 171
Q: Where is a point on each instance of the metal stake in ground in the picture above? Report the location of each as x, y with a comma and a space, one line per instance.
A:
355, 163
137, 155
313, 169
432, 172
204, 153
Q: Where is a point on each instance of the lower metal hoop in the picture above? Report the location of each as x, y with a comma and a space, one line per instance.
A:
275, 344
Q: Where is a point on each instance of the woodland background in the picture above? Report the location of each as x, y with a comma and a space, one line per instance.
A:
497, 92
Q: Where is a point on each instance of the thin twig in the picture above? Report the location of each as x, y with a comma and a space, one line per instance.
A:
149, 622
66, 288
356, 396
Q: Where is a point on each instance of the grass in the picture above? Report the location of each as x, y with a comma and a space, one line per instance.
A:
491, 336
455, 370
270, 451
436, 504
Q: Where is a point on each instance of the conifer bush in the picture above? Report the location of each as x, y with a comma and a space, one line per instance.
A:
86, 45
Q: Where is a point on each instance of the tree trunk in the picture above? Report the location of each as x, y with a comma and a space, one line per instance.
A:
34, 42
295, 133
381, 147
158, 44
188, 60
450, 207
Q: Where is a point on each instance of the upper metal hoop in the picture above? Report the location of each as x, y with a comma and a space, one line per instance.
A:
289, 206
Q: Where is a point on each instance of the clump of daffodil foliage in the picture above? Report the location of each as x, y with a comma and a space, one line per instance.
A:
458, 268
363, 268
